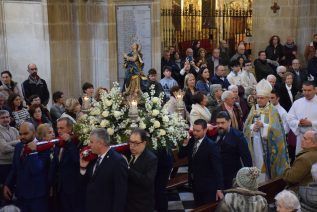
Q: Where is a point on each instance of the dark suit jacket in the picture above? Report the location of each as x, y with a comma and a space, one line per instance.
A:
65, 172
211, 66
217, 80
188, 99
106, 189
285, 100
28, 175
141, 183
205, 167
237, 111
299, 79
234, 149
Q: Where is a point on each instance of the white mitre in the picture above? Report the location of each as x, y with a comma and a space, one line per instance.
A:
263, 88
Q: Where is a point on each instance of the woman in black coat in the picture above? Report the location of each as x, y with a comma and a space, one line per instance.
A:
288, 92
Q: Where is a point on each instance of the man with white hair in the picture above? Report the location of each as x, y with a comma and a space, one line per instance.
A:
264, 132
308, 193
272, 80
303, 114
280, 77
300, 75
228, 104
240, 53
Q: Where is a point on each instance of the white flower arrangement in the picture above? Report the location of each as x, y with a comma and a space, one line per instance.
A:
111, 113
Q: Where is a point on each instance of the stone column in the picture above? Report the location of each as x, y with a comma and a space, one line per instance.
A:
307, 24
3, 42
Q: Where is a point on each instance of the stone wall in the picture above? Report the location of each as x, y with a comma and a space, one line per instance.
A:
296, 18
266, 23
24, 38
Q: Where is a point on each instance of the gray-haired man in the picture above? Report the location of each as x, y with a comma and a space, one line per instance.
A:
9, 137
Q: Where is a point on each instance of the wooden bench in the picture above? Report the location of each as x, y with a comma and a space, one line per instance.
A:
271, 188
179, 179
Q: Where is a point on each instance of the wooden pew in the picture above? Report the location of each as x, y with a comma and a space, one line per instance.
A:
181, 178
271, 188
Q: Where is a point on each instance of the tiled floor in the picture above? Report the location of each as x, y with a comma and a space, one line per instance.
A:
180, 200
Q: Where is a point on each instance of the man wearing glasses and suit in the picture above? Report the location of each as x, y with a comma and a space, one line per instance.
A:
141, 174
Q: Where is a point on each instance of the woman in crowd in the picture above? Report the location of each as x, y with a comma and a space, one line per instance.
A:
178, 60
199, 109
37, 117
241, 62
201, 60
72, 109
189, 89
203, 83
19, 113
287, 92
287, 201
45, 132
98, 92
171, 104
274, 51
7, 85
196, 47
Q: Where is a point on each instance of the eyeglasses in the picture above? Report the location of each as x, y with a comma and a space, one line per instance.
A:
248, 64
33, 69
4, 117
282, 72
134, 143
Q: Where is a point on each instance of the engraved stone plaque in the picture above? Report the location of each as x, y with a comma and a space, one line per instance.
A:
133, 24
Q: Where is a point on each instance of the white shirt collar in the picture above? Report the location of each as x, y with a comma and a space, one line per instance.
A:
103, 155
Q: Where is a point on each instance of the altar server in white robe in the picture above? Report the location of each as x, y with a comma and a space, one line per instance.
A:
302, 116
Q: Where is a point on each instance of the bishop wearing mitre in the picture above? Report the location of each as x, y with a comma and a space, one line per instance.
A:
264, 132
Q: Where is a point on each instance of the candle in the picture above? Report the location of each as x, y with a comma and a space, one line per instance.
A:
86, 102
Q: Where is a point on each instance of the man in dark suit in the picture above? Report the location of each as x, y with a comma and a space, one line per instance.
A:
64, 173
106, 177
300, 75
233, 147
220, 77
205, 169
28, 174
142, 171
213, 61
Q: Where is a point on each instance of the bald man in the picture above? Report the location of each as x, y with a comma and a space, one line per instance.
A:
28, 174
35, 85
300, 172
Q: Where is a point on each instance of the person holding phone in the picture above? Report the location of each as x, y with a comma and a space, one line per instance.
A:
188, 65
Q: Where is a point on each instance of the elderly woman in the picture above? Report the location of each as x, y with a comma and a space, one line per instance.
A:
287, 201
37, 117
199, 109
244, 196
215, 99
45, 132
72, 109
288, 92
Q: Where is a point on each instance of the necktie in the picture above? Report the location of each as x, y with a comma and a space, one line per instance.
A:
195, 148
97, 164
132, 160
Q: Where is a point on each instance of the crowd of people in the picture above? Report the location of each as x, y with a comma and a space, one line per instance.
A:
246, 126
